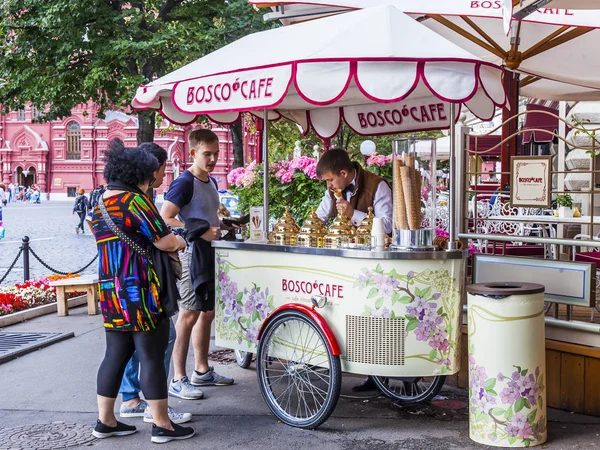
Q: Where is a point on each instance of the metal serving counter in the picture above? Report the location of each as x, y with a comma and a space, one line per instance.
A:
345, 253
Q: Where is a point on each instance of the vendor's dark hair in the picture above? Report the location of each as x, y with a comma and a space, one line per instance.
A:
132, 166
334, 161
156, 150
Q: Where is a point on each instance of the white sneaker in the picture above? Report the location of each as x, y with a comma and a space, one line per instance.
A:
210, 378
176, 417
182, 388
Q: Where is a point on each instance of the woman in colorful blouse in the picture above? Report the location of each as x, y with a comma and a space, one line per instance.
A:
129, 292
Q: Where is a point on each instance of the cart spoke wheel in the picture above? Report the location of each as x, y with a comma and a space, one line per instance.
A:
299, 377
243, 359
410, 389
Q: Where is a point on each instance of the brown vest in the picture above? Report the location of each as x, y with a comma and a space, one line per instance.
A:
365, 188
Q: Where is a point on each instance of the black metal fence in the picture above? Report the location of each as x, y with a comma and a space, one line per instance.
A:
25, 250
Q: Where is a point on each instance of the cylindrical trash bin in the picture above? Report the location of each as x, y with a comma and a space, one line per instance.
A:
507, 364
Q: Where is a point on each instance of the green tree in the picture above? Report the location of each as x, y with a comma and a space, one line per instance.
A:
59, 54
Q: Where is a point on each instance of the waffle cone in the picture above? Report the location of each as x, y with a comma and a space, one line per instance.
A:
408, 185
416, 198
399, 201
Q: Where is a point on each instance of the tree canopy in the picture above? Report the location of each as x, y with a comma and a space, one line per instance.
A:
61, 53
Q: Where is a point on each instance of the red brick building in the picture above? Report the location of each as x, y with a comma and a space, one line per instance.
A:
65, 155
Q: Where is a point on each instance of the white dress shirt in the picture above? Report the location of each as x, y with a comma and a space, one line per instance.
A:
382, 206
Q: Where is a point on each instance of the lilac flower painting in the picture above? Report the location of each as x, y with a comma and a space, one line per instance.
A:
506, 408
242, 309
427, 301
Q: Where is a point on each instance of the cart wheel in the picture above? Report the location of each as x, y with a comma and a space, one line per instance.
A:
243, 359
299, 377
411, 389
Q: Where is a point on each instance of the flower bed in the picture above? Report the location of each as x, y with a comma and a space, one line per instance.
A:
30, 294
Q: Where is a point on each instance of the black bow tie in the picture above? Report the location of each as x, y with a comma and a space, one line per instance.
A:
349, 188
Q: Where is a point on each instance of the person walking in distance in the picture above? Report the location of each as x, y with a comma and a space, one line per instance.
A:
81, 207
193, 195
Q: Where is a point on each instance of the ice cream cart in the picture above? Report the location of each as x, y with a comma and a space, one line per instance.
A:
312, 313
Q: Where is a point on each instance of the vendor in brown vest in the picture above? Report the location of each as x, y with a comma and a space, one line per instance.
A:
351, 187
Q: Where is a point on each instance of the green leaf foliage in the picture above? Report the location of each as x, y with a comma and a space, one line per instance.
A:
60, 54
519, 404
489, 384
531, 417
412, 324
379, 303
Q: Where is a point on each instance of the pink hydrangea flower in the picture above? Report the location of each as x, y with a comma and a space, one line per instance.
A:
378, 160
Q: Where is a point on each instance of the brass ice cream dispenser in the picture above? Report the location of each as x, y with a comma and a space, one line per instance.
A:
312, 232
286, 230
340, 232
363, 233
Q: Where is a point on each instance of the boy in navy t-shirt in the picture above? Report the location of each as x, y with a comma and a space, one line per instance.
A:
194, 195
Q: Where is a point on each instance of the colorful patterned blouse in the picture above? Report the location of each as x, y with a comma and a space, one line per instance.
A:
128, 285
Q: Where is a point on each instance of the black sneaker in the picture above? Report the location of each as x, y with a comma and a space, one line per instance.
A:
162, 435
102, 431
367, 385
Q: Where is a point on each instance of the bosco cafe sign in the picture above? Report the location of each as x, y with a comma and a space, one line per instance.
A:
409, 115
479, 5
259, 88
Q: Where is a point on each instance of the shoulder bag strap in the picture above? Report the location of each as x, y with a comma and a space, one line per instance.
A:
120, 233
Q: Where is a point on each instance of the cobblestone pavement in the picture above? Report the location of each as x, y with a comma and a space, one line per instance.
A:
51, 229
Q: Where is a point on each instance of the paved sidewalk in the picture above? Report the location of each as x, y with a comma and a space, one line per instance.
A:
57, 384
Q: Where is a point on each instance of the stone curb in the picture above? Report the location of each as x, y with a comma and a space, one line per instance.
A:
31, 313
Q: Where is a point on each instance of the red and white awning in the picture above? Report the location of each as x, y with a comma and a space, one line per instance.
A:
377, 69
556, 45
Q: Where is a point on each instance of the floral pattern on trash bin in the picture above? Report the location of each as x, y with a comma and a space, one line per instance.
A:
242, 310
428, 301
506, 408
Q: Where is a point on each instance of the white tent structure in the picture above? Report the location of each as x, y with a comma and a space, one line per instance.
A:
553, 49
354, 67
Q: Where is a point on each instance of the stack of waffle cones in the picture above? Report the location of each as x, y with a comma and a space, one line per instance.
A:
407, 194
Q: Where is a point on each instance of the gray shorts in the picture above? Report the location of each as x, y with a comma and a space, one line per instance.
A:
204, 300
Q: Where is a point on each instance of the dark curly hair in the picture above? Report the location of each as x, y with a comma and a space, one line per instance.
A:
132, 166
154, 149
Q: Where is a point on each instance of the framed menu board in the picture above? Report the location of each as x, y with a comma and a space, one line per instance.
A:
530, 181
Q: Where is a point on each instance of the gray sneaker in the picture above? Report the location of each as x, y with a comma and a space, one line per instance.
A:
183, 389
135, 411
210, 378
176, 417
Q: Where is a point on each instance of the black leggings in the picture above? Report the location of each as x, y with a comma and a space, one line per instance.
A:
150, 347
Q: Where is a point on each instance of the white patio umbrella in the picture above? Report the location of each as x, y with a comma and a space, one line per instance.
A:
556, 45
355, 67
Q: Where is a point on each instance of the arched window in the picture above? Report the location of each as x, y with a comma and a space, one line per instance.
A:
73, 140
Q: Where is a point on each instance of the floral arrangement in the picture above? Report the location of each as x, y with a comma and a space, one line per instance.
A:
505, 407
380, 165
30, 294
292, 183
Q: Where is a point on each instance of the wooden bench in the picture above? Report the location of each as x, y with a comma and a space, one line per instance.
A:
89, 285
